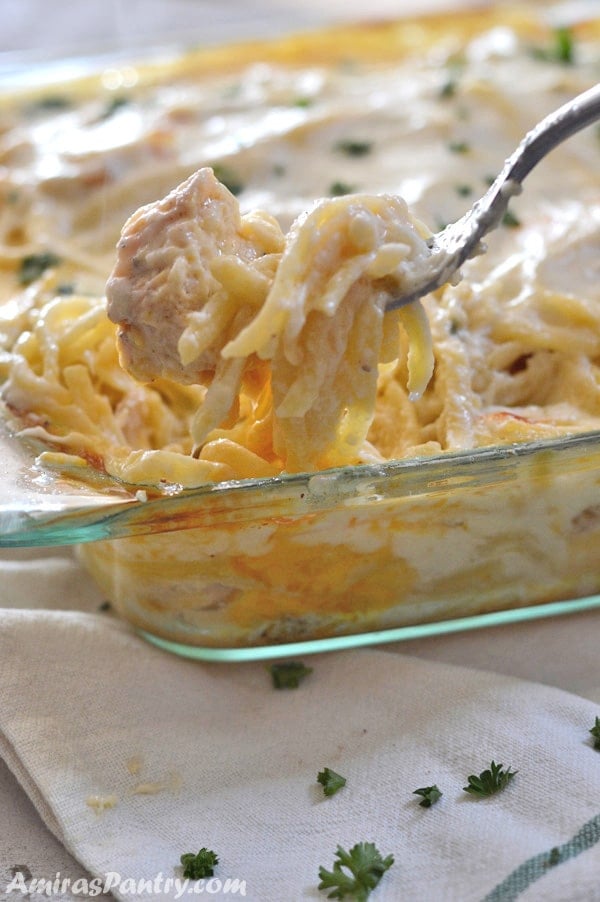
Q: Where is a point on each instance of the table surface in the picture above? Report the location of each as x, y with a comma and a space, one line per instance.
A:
560, 652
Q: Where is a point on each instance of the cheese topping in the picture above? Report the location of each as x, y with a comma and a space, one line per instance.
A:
236, 380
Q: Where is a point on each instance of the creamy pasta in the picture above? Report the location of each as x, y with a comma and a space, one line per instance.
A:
204, 295
221, 375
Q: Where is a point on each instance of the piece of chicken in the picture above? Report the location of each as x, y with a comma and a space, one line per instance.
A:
190, 253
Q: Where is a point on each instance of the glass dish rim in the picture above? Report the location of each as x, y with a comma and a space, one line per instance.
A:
65, 519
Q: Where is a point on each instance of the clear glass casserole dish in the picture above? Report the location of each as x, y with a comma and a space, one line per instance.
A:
355, 556
435, 540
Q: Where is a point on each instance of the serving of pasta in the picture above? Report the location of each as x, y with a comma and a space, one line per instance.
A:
195, 261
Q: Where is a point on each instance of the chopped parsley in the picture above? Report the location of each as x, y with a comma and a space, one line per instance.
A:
561, 50
353, 148
355, 873
459, 147
430, 794
200, 865
330, 781
338, 189
50, 103
35, 265
228, 178
553, 856
489, 781
114, 104
463, 190
595, 731
449, 87
288, 674
510, 221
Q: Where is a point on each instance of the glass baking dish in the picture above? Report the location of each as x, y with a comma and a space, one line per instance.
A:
345, 557
290, 564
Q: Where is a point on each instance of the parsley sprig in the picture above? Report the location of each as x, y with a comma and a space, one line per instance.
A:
595, 731
561, 49
355, 873
33, 266
199, 865
431, 794
353, 147
489, 781
288, 674
330, 781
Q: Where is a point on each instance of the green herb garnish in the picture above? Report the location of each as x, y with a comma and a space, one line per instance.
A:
489, 781
228, 178
562, 49
288, 674
553, 856
355, 873
338, 189
114, 104
509, 220
200, 865
430, 794
595, 731
463, 190
330, 781
50, 103
34, 265
459, 147
353, 148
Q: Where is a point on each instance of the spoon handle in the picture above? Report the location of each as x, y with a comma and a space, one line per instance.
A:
559, 125
462, 239
568, 119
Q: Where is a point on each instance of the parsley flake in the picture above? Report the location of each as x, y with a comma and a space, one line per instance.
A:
200, 865
338, 189
50, 103
449, 88
112, 105
463, 190
510, 221
459, 147
34, 265
330, 781
228, 178
355, 873
553, 856
288, 674
562, 49
595, 731
353, 148
431, 794
489, 781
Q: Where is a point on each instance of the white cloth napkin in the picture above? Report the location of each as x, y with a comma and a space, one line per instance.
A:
211, 755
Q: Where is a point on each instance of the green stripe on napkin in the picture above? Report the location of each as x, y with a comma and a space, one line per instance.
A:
536, 867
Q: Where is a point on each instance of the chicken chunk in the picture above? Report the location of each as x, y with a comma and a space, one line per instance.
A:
183, 257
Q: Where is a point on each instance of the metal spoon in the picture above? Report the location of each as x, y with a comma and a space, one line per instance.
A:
462, 239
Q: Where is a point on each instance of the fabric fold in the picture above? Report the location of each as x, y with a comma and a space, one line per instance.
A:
133, 757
